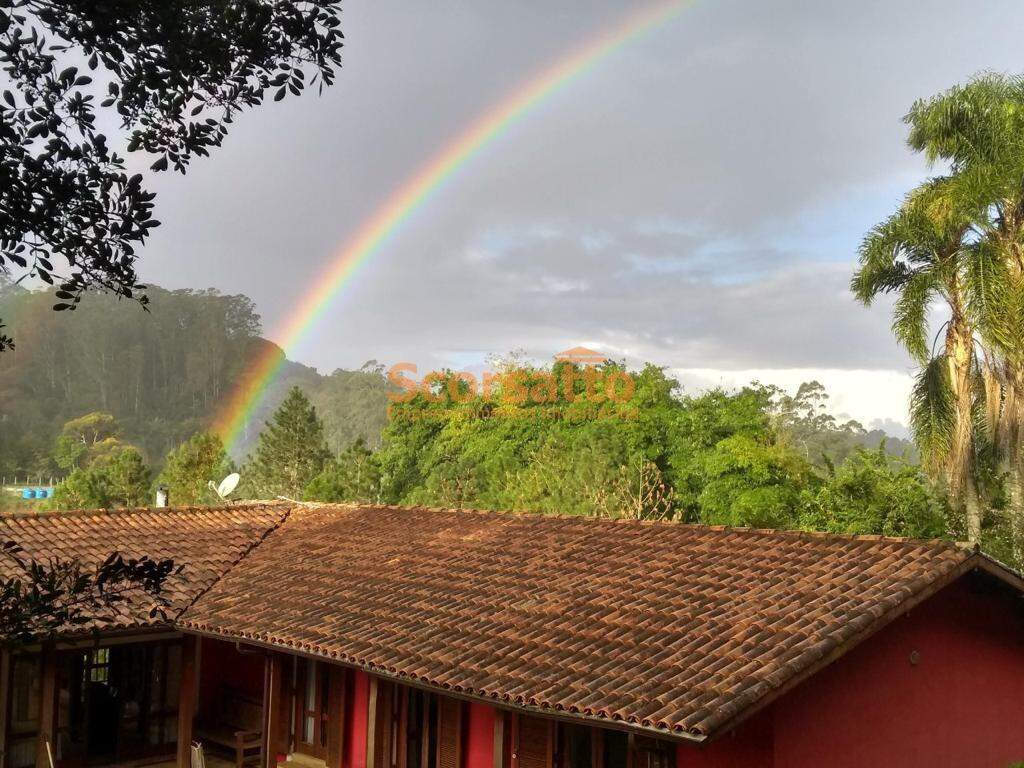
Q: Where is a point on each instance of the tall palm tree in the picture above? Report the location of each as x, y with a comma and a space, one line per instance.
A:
921, 254
978, 129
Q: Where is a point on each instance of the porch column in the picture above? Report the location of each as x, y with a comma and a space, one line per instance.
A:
47, 707
373, 729
357, 743
273, 708
5, 695
499, 740
187, 699
335, 717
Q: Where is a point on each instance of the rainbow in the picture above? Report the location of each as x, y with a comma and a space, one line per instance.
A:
413, 194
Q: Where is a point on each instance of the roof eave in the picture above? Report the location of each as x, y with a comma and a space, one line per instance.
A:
977, 560
554, 714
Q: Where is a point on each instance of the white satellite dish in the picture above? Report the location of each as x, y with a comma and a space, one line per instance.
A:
227, 485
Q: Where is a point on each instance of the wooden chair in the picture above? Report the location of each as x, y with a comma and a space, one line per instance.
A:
236, 725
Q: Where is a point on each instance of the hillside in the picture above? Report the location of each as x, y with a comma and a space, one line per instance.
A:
161, 373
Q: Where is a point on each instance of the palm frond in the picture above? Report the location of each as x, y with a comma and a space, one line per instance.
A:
910, 313
967, 123
986, 289
989, 398
933, 413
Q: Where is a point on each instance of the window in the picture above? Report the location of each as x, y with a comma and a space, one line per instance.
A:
26, 682
420, 747
395, 701
531, 742
97, 668
312, 707
163, 664
323, 672
309, 708
449, 733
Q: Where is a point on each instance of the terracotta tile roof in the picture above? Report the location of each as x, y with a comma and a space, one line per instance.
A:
662, 626
206, 541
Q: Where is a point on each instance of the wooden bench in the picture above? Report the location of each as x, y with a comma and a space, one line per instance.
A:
235, 724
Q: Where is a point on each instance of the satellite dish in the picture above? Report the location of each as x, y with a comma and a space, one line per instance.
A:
227, 485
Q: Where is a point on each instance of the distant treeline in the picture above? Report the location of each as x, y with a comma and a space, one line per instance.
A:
163, 373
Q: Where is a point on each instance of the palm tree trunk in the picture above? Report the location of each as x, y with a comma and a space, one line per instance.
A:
973, 511
960, 468
1015, 500
1010, 454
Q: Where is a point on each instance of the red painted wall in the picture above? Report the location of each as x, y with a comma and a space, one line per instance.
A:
478, 750
358, 712
222, 665
961, 705
747, 747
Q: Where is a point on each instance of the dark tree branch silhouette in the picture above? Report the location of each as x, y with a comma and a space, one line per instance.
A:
173, 73
40, 599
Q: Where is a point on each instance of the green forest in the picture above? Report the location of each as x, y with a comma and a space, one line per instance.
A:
117, 401
120, 400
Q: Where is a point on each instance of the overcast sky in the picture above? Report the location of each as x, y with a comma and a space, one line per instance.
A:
695, 200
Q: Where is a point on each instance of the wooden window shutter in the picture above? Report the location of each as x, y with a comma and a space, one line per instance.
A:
532, 743
449, 733
399, 726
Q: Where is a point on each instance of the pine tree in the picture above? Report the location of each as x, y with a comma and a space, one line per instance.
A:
192, 465
128, 478
353, 476
291, 450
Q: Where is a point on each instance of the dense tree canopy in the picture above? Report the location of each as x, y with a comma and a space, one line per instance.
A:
874, 493
735, 458
120, 478
173, 74
353, 475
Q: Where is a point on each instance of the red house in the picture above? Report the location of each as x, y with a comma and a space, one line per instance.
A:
388, 637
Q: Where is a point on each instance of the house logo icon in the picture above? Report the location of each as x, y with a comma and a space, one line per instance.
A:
581, 356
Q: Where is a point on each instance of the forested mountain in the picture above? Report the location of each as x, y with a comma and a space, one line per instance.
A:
161, 373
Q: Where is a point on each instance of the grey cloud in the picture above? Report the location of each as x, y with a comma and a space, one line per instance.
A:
695, 199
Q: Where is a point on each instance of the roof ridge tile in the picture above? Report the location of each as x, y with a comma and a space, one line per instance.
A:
595, 519
115, 511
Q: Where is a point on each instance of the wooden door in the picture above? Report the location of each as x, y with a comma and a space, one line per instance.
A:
312, 708
532, 742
